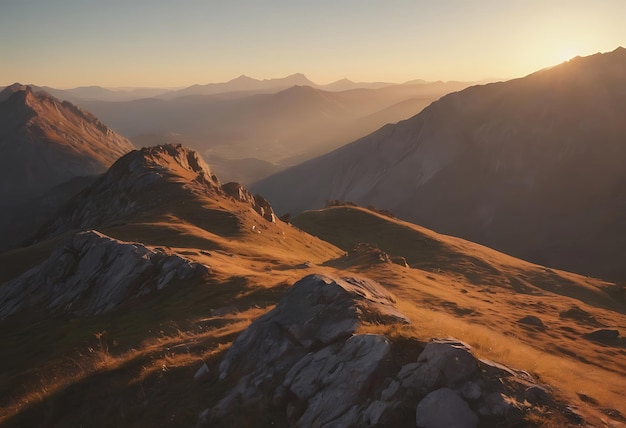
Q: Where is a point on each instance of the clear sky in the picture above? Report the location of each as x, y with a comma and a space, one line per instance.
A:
171, 43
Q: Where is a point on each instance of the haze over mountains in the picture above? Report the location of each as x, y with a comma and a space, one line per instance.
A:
45, 142
247, 128
532, 166
277, 129
146, 291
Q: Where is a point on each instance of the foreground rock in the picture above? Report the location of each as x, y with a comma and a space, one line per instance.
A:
91, 273
302, 364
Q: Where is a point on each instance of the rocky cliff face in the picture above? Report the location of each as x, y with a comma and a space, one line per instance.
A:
532, 167
90, 274
45, 142
305, 364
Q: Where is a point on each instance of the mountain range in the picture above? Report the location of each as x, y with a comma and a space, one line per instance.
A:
531, 166
149, 292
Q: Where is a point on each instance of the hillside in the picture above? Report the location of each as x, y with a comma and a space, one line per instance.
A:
531, 167
168, 302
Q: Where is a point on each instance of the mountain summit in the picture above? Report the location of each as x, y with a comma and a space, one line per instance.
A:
532, 167
45, 142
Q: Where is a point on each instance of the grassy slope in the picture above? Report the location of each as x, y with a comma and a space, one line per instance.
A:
134, 366
455, 287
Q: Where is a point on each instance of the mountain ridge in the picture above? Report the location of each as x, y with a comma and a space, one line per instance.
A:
498, 153
46, 141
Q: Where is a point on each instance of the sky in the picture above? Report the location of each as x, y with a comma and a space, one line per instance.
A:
165, 43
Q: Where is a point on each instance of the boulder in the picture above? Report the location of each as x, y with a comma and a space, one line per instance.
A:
444, 362
304, 351
258, 202
329, 383
443, 408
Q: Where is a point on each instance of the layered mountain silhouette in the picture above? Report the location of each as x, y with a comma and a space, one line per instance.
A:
242, 83
45, 142
532, 167
153, 294
281, 128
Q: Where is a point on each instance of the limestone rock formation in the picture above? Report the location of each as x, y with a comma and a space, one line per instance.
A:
91, 273
304, 364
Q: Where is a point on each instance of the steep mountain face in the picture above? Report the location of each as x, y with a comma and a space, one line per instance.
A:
45, 142
144, 182
533, 167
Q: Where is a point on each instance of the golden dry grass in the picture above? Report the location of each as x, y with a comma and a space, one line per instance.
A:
454, 288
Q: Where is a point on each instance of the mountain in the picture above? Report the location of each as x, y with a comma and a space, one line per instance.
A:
51, 149
532, 167
281, 128
347, 84
196, 307
45, 142
242, 83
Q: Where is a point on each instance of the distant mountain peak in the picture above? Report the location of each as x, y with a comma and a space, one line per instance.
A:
242, 78
12, 89
46, 142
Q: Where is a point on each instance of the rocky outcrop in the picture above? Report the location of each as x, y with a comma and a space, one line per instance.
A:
91, 273
304, 364
143, 179
258, 202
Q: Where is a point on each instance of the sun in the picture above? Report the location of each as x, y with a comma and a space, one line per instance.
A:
564, 54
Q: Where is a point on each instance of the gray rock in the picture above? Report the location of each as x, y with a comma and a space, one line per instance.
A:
305, 349
303, 363
332, 382
443, 408
202, 373
444, 362
471, 391
91, 273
